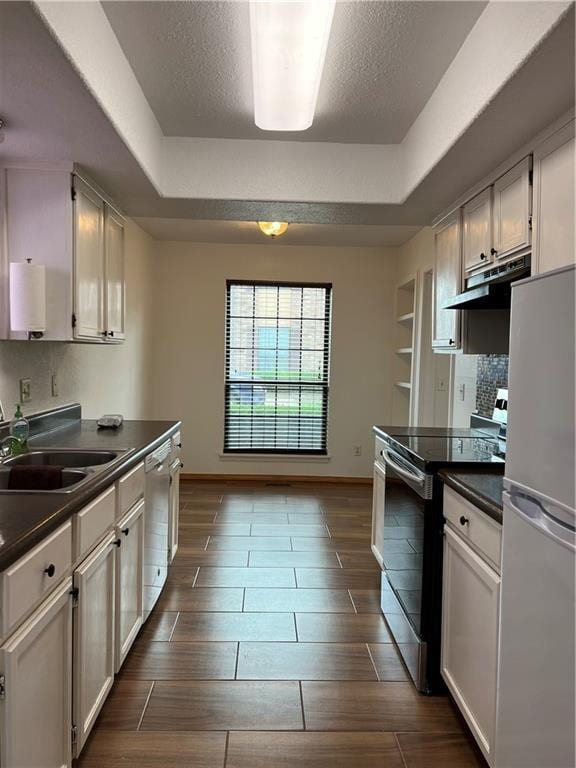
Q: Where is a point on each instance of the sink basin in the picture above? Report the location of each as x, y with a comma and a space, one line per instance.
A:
63, 458
70, 478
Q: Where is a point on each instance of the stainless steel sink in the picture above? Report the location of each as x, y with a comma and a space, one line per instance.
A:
70, 478
78, 466
62, 458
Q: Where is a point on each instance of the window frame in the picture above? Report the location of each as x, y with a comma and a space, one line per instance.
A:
324, 386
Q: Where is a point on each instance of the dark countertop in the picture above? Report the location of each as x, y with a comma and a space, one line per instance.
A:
27, 518
482, 487
426, 431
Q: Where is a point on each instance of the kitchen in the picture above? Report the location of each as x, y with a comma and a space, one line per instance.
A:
334, 523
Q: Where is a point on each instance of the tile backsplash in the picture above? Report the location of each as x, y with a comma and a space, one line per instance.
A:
492, 373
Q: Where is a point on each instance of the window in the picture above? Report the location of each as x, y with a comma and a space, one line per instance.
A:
277, 366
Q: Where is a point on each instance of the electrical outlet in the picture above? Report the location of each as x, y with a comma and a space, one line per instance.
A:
25, 390
54, 385
462, 391
357, 450
441, 384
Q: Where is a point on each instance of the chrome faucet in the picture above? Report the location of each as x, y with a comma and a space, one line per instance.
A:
6, 447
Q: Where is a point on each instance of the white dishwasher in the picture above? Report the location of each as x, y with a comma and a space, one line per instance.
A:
157, 495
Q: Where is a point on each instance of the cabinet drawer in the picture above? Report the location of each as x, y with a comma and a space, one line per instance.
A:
91, 523
474, 526
26, 582
130, 489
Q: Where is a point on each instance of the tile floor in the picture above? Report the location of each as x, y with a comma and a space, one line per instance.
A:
267, 648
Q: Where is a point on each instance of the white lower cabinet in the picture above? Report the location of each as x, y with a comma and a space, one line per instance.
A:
378, 495
174, 509
470, 610
129, 580
35, 701
57, 666
94, 628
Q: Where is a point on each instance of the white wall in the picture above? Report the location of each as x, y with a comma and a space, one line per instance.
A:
464, 389
416, 254
188, 375
102, 379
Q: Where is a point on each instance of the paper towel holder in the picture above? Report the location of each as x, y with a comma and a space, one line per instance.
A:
27, 308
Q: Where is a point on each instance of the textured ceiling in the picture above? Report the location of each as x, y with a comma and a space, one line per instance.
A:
247, 232
51, 116
384, 60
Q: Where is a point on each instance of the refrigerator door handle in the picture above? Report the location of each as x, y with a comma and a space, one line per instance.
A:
540, 516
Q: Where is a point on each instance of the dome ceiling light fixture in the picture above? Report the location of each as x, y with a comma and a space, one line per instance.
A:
289, 43
273, 228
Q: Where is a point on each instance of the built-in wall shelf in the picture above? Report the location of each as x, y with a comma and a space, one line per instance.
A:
405, 309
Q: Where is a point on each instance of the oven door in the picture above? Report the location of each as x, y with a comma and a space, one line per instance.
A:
408, 495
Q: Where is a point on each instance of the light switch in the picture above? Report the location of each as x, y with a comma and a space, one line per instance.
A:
25, 390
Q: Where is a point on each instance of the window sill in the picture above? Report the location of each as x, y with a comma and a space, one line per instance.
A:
286, 457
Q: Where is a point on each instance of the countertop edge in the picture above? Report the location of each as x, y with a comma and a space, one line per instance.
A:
472, 495
11, 552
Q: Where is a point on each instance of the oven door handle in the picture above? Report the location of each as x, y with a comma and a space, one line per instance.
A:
414, 477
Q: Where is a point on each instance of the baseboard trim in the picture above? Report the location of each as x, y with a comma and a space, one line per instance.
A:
287, 479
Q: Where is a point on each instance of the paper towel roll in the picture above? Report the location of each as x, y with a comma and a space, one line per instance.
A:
27, 297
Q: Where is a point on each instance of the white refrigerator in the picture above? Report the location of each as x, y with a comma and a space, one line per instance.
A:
536, 690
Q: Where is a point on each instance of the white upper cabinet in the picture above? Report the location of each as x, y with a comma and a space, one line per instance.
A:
79, 236
114, 283
497, 222
447, 267
512, 208
554, 201
477, 218
88, 262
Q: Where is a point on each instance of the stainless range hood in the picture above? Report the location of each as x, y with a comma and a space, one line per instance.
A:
487, 296
491, 289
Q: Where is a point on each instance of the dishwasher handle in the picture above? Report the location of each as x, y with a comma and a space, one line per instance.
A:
398, 464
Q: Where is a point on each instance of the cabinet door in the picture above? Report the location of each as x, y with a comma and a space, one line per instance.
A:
554, 201
512, 206
115, 292
129, 581
478, 231
93, 636
174, 512
88, 262
470, 604
447, 272
35, 711
378, 496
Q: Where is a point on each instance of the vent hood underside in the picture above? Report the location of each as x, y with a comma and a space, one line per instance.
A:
487, 296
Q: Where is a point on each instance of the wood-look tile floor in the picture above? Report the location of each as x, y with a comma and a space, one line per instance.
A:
267, 648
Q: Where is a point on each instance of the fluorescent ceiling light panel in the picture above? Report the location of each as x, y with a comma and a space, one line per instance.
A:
289, 41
